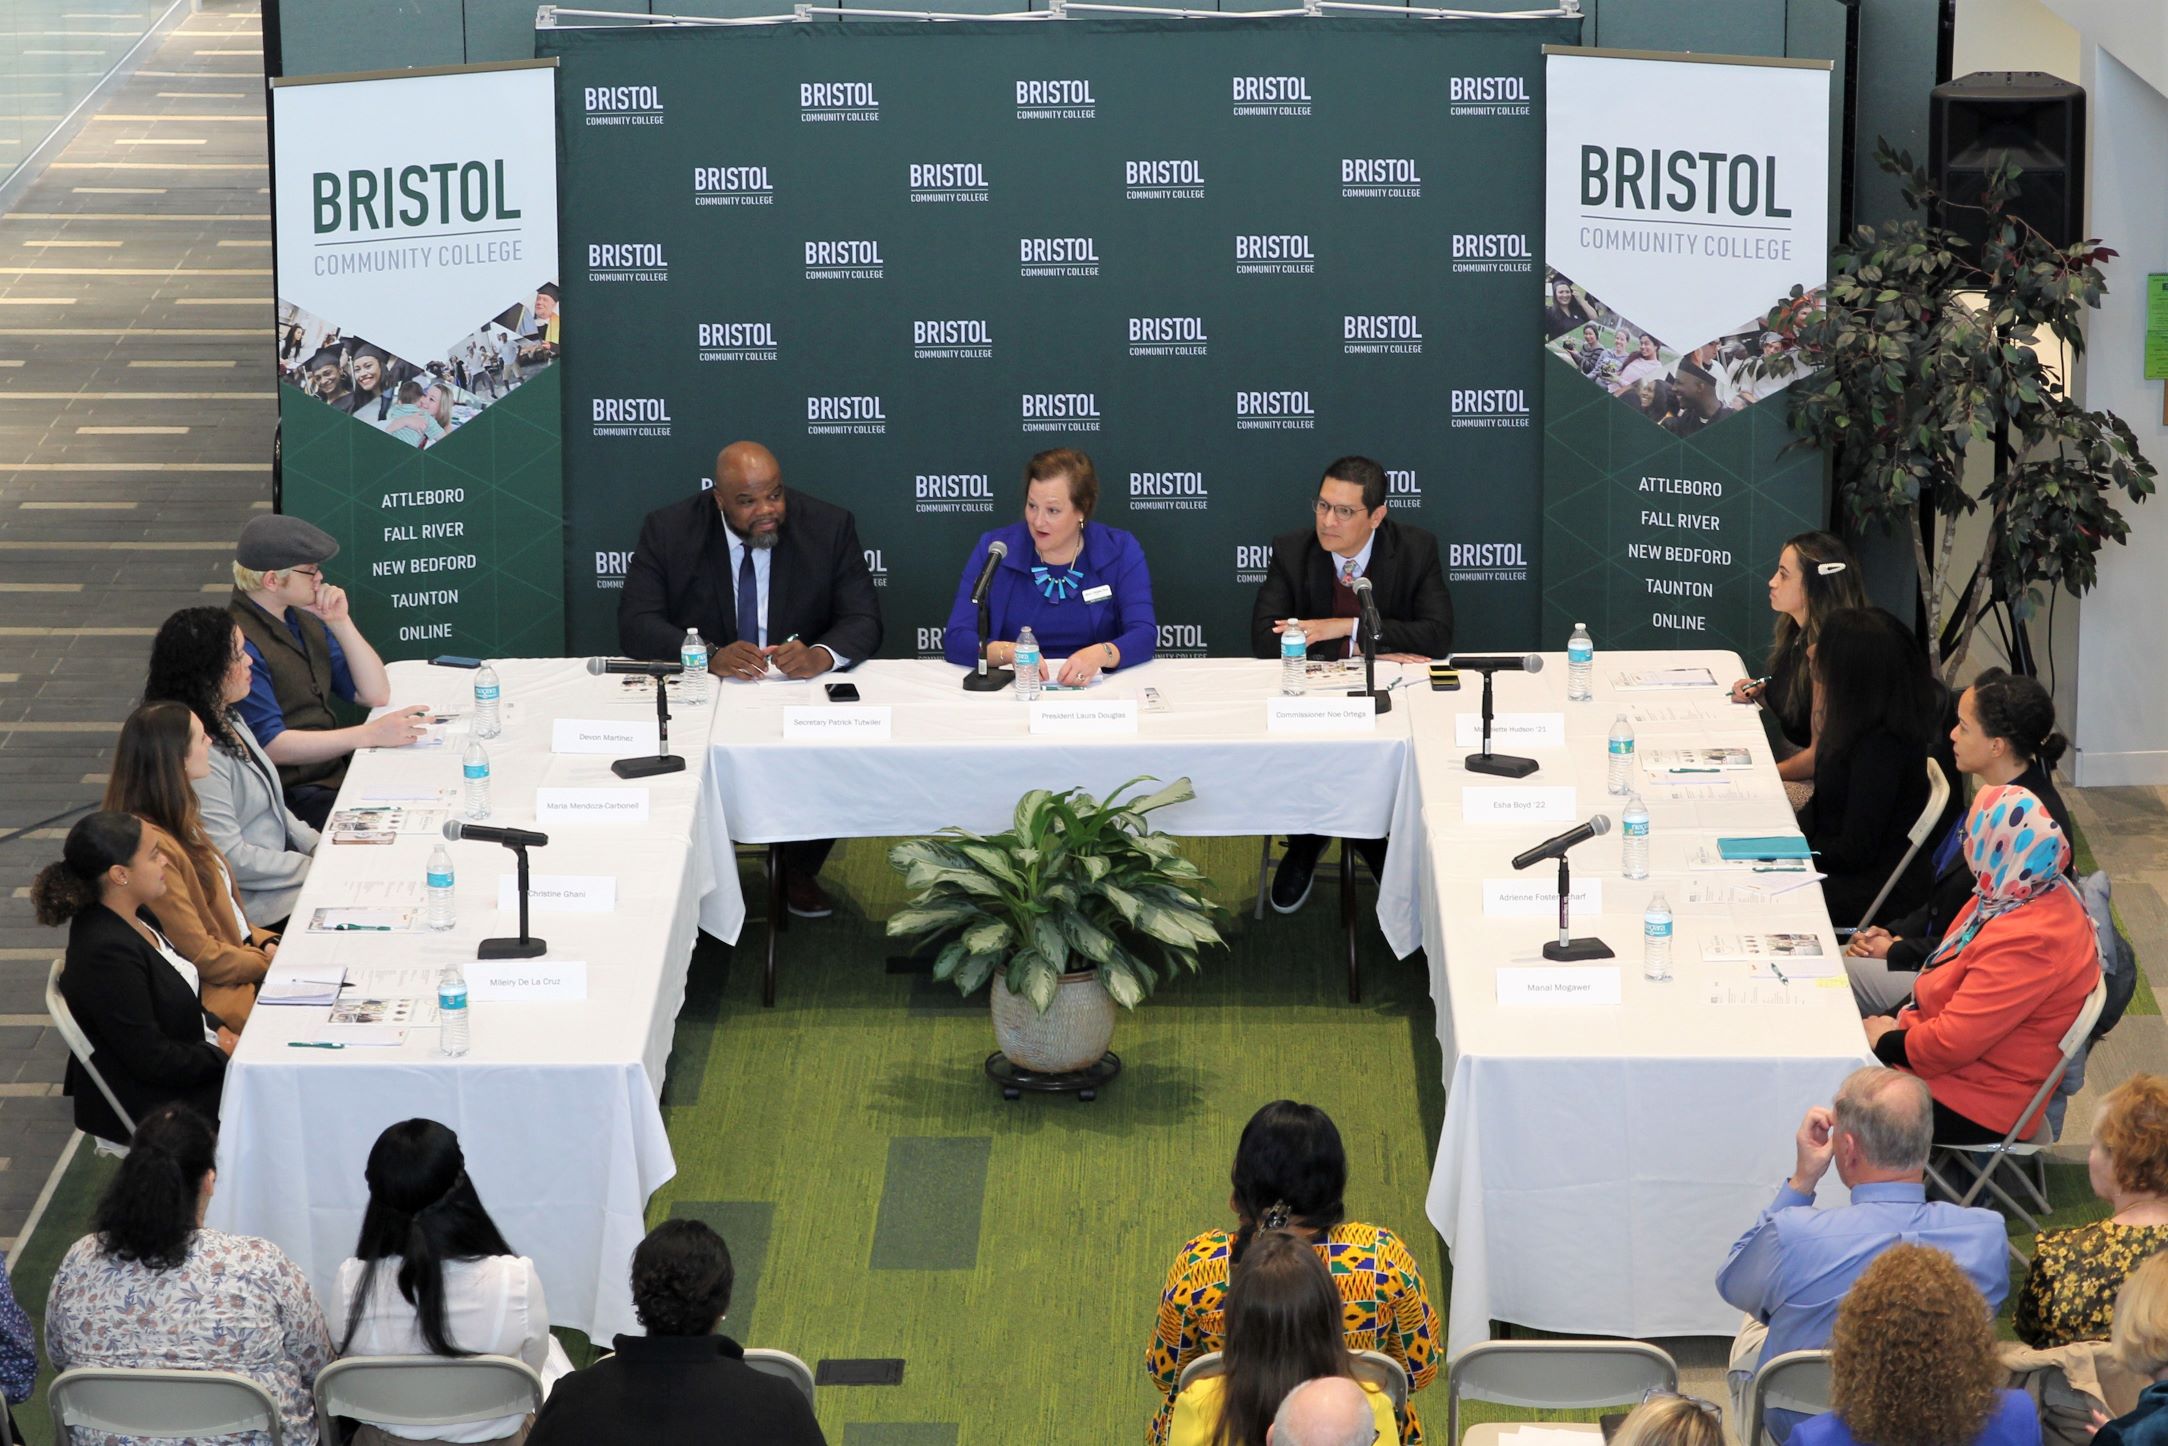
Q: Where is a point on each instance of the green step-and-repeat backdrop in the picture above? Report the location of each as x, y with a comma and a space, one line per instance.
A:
1214, 255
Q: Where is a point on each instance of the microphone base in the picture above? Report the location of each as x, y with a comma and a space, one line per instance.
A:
640, 768
1380, 696
1574, 951
522, 948
1503, 765
993, 680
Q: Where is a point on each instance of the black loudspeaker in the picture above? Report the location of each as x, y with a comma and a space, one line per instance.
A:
2037, 120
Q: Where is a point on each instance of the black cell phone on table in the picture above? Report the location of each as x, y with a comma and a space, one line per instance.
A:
842, 692
449, 660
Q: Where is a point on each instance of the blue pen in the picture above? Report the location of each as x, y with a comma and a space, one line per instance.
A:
312, 1044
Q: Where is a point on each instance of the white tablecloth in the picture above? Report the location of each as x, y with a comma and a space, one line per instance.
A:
965, 758
1597, 1162
556, 1104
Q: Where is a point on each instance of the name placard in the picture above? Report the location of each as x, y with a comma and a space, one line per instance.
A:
591, 805
866, 724
1075, 717
493, 980
1545, 803
1511, 730
559, 893
1530, 898
616, 737
1321, 715
1559, 984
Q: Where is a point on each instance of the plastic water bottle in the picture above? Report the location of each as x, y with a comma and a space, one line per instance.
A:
1634, 859
1580, 663
476, 767
1294, 651
487, 690
1621, 778
693, 654
1027, 667
439, 915
454, 1036
1656, 940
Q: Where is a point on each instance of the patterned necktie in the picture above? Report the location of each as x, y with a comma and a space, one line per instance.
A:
1347, 571
748, 600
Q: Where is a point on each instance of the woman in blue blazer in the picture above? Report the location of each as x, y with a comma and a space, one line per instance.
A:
1080, 586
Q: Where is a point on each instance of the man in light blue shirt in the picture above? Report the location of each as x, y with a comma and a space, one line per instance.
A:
1791, 1270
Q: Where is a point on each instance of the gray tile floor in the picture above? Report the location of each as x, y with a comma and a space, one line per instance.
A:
136, 409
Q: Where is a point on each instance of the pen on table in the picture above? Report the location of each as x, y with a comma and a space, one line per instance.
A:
312, 1044
1778, 972
361, 928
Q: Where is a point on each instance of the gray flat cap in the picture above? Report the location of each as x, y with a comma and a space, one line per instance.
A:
273, 543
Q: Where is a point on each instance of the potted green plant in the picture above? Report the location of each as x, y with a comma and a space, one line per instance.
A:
1078, 907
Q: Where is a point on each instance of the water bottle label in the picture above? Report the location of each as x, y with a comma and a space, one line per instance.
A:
1622, 745
694, 658
475, 770
448, 998
1637, 828
439, 881
1580, 652
1658, 928
486, 693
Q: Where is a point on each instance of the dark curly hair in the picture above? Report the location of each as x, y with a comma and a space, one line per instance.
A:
2020, 710
148, 1213
188, 665
1290, 1170
1913, 1358
681, 1279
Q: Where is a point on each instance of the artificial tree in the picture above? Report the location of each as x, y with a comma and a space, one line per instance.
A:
1926, 345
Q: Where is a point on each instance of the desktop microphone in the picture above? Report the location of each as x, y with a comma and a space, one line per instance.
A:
1480, 663
1367, 597
1552, 848
994, 553
518, 838
637, 667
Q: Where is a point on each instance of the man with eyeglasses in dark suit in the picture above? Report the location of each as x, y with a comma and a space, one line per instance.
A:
1311, 578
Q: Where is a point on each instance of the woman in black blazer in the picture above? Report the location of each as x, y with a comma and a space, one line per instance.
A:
150, 1038
1880, 706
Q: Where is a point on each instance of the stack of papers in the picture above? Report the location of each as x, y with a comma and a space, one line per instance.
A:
382, 823
1696, 760
1638, 679
299, 984
355, 920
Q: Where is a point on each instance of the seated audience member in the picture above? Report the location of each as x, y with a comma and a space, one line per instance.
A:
681, 1384
2070, 1293
1793, 1266
304, 651
431, 1276
1880, 709
1283, 1328
200, 659
149, 1286
1330, 1411
162, 751
1815, 577
2141, 1345
2005, 733
134, 996
1986, 1023
18, 1349
1290, 1172
1913, 1363
1670, 1420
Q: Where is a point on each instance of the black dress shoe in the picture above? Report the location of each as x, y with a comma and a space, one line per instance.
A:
1291, 881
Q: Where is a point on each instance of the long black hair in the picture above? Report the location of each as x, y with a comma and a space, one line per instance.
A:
97, 842
2020, 712
1290, 1171
1826, 593
148, 1213
423, 1209
189, 658
1873, 674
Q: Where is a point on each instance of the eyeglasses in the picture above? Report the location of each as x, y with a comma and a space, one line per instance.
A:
1336, 510
315, 572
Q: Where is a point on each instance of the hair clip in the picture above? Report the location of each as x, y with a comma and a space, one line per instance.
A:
1277, 1215
1829, 569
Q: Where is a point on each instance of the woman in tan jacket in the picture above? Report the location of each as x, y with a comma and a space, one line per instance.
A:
162, 749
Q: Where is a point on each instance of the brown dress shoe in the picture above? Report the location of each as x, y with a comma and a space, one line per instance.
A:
804, 896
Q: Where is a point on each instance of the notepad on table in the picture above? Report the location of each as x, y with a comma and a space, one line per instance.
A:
299, 985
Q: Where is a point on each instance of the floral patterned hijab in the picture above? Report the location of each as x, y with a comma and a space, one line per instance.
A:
2016, 851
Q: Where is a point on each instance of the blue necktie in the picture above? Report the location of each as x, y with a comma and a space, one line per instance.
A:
748, 601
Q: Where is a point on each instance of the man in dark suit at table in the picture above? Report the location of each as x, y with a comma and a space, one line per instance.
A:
1311, 578
769, 579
